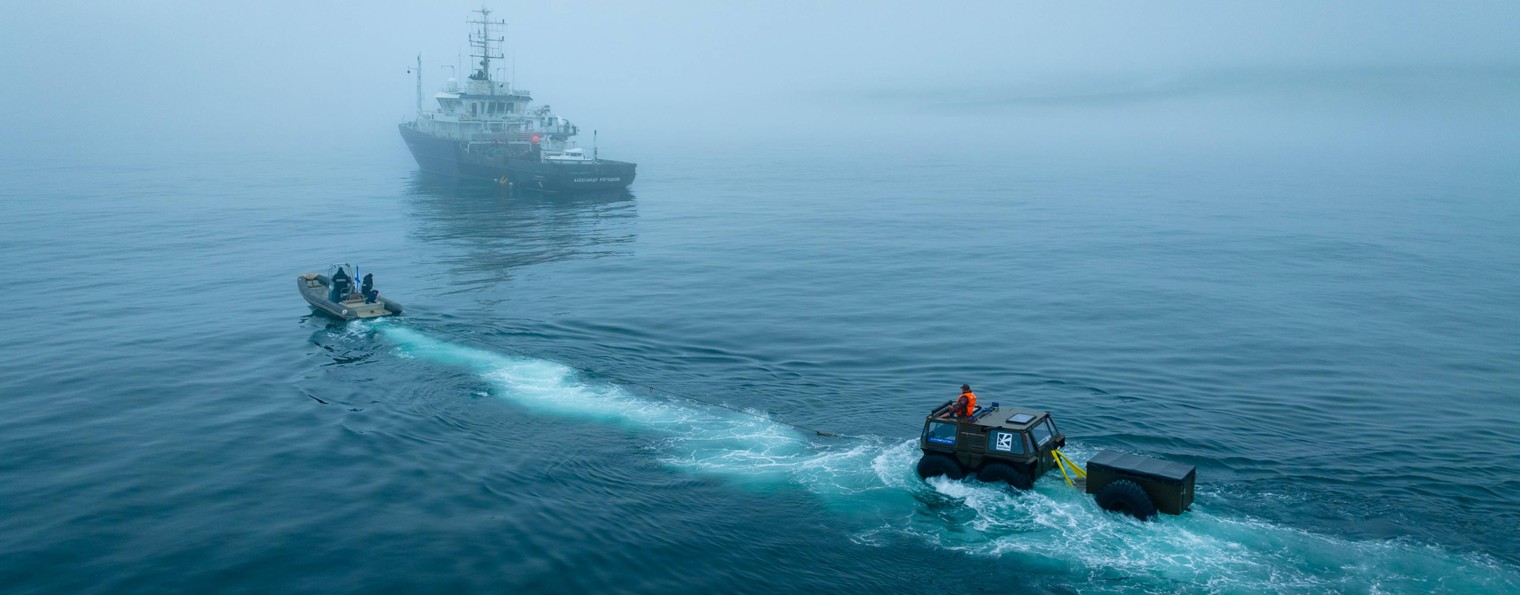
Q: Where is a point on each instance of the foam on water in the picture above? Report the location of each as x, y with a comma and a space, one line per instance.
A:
1053, 527
702, 439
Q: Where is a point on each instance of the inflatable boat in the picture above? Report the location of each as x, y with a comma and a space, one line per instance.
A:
349, 303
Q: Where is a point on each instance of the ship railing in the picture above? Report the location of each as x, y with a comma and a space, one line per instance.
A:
567, 130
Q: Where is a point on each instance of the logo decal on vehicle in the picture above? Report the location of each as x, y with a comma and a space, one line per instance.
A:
1004, 442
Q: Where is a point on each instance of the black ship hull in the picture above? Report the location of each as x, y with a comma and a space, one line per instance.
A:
452, 158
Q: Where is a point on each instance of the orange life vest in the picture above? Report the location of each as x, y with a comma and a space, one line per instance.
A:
966, 405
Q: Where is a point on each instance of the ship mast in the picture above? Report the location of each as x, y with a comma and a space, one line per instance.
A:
481, 42
419, 85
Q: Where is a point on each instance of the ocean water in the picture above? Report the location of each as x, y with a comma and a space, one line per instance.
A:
1330, 336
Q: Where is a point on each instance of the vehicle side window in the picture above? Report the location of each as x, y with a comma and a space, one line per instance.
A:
1009, 442
1051, 421
1041, 433
940, 432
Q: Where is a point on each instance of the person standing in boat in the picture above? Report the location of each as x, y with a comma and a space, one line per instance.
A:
341, 283
368, 289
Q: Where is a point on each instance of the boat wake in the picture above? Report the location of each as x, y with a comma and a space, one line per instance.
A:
1053, 528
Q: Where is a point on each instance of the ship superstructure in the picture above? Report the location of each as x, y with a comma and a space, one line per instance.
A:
489, 130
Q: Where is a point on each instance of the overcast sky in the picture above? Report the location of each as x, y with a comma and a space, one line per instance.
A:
277, 72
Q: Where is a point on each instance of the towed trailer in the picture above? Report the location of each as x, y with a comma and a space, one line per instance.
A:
1016, 446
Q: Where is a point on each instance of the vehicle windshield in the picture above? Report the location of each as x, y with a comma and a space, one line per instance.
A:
1041, 432
940, 433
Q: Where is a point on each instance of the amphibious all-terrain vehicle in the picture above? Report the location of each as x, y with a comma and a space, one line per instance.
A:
1010, 445
1016, 446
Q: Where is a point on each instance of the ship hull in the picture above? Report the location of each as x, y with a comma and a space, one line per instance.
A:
447, 157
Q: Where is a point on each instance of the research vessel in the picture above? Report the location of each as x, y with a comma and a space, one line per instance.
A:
490, 130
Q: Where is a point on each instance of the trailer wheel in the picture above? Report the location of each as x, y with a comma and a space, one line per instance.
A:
1126, 497
937, 464
1005, 473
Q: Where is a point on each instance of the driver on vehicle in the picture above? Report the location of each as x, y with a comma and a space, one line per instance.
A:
966, 404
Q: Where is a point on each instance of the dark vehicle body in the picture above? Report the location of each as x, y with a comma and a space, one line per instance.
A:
1019, 438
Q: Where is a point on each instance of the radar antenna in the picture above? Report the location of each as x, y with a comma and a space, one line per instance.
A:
419, 84
482, 41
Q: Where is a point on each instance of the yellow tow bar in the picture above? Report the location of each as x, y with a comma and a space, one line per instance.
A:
1063, 463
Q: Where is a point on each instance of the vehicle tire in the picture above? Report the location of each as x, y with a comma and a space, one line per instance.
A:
937, 464
1005, 473
1126, 497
